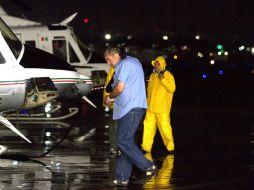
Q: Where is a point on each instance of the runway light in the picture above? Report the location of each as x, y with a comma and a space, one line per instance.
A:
204, 76
175, 57
197, 37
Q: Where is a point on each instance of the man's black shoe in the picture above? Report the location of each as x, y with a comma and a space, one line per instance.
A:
146, 177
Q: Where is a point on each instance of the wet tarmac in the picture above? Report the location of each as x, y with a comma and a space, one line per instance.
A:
213, 151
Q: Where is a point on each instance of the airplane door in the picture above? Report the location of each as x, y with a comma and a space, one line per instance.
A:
12, 88
12, 84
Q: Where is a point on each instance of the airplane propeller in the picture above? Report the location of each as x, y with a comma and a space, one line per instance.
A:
5, 122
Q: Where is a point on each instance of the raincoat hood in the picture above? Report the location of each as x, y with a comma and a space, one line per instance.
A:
161, 61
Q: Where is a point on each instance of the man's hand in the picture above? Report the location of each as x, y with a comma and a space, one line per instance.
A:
108, 101
160, 75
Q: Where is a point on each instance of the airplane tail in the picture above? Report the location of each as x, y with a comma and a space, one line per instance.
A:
68, 19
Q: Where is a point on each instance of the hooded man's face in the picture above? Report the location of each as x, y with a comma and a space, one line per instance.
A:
157, 66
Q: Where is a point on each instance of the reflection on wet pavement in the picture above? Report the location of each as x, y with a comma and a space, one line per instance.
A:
211, 153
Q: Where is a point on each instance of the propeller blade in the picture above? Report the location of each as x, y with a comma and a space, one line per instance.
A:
88, 101
5, 122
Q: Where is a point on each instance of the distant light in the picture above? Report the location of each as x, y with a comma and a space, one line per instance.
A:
226, 53
175, 57
210, 54
183, 48
154, 45
107, 36
221, 72
129, 37
200, 55
86, 20
220, 46
219, 53
204, 76
252, 51
48, 134
212, 62
197, 37
241, 48
248, 49
165, 37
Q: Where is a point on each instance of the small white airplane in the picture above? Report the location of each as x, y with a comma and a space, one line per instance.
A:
24, 86
58, 39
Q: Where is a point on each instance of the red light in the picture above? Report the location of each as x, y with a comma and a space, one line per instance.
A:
86, 20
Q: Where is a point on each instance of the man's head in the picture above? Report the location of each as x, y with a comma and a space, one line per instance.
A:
112, 56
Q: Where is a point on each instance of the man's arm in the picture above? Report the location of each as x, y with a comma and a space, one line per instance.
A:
116, 91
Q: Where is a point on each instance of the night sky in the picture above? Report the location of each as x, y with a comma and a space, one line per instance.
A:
215, 19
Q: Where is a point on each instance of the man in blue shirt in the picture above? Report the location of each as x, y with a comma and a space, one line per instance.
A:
129, 96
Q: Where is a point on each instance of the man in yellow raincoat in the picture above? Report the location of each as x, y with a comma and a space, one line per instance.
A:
108, 82
160, 90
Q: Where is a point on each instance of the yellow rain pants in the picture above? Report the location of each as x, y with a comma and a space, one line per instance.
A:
151, 122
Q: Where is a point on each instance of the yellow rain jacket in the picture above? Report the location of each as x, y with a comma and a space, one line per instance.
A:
160, 92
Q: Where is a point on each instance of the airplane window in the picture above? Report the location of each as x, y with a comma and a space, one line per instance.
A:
2, 60
59, 49
73, 57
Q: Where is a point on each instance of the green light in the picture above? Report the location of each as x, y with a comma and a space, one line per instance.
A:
219, 46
